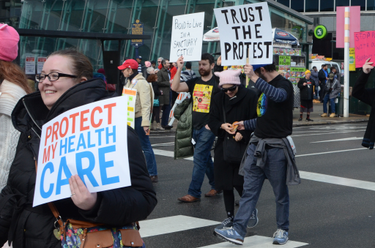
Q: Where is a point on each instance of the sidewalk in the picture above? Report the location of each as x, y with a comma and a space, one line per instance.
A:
318, 110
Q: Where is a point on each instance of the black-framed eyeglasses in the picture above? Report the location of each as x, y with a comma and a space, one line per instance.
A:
233, 88
52, 76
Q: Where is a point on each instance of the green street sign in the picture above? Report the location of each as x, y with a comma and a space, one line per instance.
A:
320, 32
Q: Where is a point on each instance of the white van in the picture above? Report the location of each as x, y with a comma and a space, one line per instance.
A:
319, 63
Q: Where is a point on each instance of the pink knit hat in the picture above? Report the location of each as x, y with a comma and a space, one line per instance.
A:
229, 77
9, 38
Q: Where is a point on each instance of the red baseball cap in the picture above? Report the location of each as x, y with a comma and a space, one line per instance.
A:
129, 63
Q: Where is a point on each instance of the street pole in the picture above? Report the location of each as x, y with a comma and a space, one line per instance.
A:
346, 62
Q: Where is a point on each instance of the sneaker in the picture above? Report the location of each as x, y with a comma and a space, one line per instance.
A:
227, 223
332, 115
230, 235
308, 119
280, 237
324, 115
253, 221
300, 119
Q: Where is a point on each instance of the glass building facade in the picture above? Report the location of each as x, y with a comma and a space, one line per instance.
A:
117, 16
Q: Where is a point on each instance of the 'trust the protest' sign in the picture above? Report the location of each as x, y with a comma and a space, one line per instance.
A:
245, 30
91, 141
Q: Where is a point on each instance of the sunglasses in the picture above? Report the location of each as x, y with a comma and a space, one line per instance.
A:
233, 88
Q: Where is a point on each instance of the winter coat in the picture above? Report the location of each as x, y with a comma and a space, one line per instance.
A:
29, 226
183, 147
335, 87
242, 107
164, 86
315, 77
144, 100
322, 76
307, 91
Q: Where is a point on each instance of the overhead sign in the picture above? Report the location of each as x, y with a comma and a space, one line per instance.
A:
187, 36
320, 32
354, 26
246, 31
137, 28
91, 141
364, 43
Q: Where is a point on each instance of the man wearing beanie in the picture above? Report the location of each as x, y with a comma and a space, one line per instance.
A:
269, 154
202, 90
307, 92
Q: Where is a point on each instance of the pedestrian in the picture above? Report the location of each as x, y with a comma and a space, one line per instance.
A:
160, 65
155, 121
153, 64
336, 72
332, 91
315, 79
202, 90
227, 108
143, 109
307, 92
139, 61
323, 77
147, 65
65, 83
366, 95
188, 73
269, 154
164, 99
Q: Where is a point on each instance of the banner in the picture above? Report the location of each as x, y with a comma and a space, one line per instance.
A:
245, 31
364, 47
91, 141
187, 37
354, 26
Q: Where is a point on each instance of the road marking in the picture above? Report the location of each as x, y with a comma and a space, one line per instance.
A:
337, 180
168, 154
257, 241
161, 136
330, 152
336, 140
172, 224
326, 133
168, 144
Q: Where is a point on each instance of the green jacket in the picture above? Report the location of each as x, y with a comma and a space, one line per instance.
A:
183, 147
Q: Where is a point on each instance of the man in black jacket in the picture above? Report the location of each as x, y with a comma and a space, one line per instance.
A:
164, 85
323, 76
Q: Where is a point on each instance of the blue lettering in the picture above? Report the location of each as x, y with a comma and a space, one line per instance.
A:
99, 132
89, 145
88, 171
61, 182
43, 193
103, 164
81, 142
108, 134
70, 149
62, 145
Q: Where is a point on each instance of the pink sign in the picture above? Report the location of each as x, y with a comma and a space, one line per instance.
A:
364, 47
355, 25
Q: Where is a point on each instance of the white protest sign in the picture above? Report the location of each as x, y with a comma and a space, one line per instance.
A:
91, 141
131, 96
245, 30
187, 37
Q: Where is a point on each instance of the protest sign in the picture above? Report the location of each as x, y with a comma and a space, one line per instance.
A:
364, 47
187, 37
245, 30
131, 96
91, 141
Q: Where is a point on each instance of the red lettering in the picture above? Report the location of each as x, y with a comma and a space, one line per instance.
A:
54, 131
93, 124
46, 154
73, 117
83, 120
65, 119
48, 134
109, 107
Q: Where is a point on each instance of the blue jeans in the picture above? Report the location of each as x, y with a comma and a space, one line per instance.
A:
275, 172
165, 117
331, 102
146, 147
202, 161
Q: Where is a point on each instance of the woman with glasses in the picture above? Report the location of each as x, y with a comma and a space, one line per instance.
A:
234, 103
65, 82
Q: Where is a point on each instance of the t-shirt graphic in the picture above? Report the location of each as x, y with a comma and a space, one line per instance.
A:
262, 105
202, 98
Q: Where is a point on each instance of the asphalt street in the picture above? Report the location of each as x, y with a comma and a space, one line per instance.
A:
333, 207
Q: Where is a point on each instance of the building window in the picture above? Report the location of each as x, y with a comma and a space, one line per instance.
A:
342, 3
285, 2
361, 3
370, 4
312, 6
326, 5
297, 5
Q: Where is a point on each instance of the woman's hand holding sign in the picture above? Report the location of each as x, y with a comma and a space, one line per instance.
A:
367, 66
81, 196
249, 71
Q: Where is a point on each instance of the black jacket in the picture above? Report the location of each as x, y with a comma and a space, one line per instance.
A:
32, 227
322, 76
307, 91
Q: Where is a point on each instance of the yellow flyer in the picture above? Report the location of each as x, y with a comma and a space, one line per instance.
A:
131, 95
202, 98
